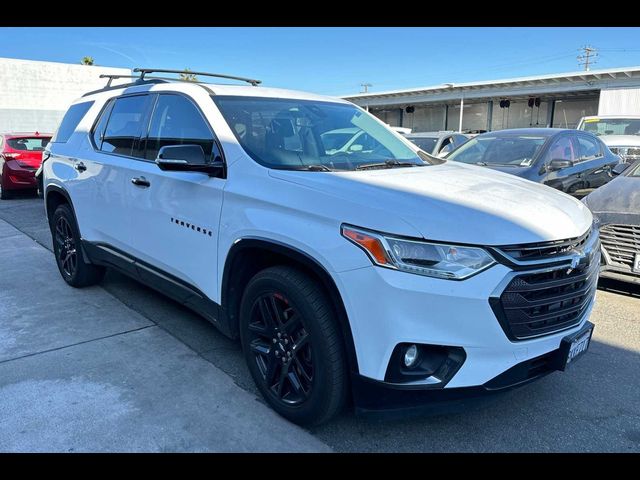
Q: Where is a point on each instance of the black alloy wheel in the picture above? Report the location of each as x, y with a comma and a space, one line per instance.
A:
75, 270
293, 345
281, 347
66, 251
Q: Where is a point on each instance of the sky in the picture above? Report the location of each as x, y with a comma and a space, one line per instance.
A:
337, 60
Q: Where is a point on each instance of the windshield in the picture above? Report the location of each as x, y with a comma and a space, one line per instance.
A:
635, 172
31, 144
425, 143
611, 126
507, 150
310, 135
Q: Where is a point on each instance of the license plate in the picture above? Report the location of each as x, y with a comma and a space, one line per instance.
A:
636, 263
576, 345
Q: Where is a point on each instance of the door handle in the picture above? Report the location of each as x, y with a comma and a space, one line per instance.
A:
141, 182
81, 167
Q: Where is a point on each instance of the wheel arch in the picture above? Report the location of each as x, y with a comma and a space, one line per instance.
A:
248, 256
54, 196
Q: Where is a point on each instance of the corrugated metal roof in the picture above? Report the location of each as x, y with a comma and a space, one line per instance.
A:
588, 77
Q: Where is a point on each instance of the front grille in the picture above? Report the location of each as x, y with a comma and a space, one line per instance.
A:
545, 250
622, 243
547, 300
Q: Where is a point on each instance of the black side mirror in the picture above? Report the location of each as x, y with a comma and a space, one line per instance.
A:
187, 158
619, 168
558, 164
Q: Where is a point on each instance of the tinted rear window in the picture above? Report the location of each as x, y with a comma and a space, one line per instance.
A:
70, 121
29, 144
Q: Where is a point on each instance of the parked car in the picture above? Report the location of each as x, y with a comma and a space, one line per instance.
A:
387, 276
568, 160
437, 143
20, 157
616, 206
620, 133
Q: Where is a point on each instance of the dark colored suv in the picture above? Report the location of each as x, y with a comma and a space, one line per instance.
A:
569, 160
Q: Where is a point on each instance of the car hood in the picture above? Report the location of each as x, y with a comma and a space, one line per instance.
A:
616, 202
515, 170
448, 202
621, 140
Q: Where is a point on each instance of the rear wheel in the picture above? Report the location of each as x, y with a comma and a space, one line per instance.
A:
66, 247
292, 345
4, 194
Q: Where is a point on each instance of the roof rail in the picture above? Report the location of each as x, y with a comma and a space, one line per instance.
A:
144, 71
114, 77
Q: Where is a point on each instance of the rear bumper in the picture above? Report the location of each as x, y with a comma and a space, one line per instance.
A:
382, 399
15, 177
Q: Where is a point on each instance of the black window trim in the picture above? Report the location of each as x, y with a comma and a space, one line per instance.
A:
600, 143
97, 120
148, 114
216, 141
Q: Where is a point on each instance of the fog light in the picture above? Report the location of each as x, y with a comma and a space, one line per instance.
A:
410, 356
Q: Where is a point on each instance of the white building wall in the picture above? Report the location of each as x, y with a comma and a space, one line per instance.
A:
35, 95
619, 101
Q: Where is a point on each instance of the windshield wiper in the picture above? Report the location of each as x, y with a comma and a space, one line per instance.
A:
482, 164
319, 167
386, 164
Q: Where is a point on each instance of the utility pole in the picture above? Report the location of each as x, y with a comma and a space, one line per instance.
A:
365, 86
588, 57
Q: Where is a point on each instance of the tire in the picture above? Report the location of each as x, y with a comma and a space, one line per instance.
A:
318, 366
5, 194
68, 253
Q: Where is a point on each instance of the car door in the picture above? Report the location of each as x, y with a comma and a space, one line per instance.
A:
106, 163
175, 215
562, 147
596, 165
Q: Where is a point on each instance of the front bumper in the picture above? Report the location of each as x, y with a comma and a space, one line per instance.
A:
383, 399
388, 307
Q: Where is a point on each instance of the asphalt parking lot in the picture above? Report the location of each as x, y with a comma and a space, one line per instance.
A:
167, 370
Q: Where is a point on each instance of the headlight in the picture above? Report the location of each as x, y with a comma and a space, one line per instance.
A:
452, 262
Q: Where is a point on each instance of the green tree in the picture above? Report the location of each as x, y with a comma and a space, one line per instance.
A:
188, 77
87, 61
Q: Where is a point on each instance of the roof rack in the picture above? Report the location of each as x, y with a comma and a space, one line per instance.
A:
144, 71
115, 77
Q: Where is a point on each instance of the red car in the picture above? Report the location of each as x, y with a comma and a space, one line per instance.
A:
20, 157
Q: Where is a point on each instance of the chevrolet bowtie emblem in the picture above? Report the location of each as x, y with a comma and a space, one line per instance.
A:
575, 261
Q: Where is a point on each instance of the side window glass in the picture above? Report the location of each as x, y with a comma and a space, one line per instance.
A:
177, 121
589, 148
562, 149
459, 140
98, 130
125, 125
70, 121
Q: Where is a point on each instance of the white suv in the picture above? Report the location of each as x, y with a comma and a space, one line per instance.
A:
377, 275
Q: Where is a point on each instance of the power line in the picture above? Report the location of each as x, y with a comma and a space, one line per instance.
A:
588, 57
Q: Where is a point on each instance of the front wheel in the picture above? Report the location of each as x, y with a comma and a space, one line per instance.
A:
292, 345
66, 247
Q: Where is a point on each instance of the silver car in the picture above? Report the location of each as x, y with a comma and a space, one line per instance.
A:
437, 143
